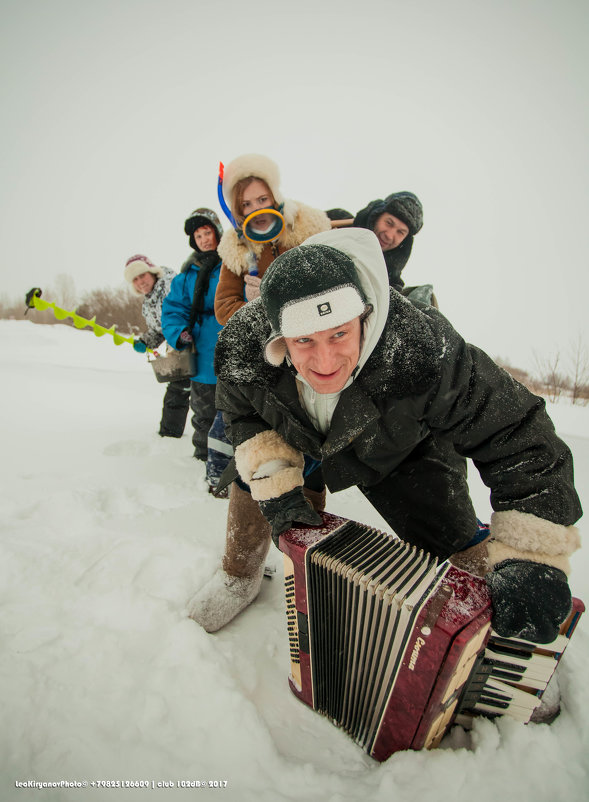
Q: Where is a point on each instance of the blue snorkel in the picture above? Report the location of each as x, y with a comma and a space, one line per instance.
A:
222, 203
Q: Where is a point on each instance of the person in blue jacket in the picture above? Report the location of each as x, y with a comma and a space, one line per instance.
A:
195, 287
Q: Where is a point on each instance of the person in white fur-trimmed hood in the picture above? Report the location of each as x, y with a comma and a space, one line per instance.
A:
332, 368
252, 183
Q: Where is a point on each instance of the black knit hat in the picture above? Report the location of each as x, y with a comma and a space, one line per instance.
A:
404, 205
308, 289
198, 218
407, 207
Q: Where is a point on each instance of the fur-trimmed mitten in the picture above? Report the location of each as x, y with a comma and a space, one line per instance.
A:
528, 561
274, 472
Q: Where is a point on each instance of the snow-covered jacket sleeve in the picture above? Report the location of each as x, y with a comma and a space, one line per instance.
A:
504, 429
177, 306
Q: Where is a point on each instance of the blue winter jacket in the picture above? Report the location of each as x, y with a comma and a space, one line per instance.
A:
176, 316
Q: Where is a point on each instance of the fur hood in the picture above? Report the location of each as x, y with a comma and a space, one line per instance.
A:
252, 165
301, 221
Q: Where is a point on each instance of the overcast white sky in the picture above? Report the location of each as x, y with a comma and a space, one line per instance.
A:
116, 114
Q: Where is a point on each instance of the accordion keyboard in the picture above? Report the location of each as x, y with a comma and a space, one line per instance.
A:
512, 674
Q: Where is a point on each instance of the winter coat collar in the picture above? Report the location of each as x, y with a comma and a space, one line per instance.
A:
199, 259
408, 350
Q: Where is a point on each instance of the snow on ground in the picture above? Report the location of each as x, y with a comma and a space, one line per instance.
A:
106, 531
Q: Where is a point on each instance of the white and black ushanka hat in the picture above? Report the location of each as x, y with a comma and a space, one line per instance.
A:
308, 289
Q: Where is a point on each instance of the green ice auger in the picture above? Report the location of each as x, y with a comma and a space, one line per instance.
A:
34, 301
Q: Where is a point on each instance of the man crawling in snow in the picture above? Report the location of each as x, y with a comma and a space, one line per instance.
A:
332, 378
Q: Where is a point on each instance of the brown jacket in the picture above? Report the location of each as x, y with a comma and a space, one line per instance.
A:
239, 254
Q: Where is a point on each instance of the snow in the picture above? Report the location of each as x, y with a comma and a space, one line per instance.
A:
107, 530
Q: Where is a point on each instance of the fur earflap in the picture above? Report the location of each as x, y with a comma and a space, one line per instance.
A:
523, 536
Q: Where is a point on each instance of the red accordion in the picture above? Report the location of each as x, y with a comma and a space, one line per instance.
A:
392, 647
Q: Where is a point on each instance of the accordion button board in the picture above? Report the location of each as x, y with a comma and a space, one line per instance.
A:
394, 648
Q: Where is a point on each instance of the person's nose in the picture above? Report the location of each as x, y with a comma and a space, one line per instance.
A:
325, 358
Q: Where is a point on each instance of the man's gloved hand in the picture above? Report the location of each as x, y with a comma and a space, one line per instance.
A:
139, 346
184, 339
281, 512
530, 600
252, 287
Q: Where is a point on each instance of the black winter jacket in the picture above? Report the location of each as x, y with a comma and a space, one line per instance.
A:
422, 379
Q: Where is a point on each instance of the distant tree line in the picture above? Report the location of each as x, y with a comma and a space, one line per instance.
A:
553, 376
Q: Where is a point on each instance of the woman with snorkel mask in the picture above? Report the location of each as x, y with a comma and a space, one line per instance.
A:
265, 224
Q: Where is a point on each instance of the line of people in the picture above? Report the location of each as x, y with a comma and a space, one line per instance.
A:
223, 272
330, 373
331, 380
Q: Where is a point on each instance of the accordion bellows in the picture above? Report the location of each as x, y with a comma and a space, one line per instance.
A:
392, 647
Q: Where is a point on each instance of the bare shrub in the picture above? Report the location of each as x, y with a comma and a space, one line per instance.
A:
548, 382
11, 309
118, 307
579, 361
64, 291
552, 380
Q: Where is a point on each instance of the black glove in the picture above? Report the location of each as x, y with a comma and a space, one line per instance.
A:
530, 600
184, 339
283, 511
35, 292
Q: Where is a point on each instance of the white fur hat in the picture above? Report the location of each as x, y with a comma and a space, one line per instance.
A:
138, 264
252, 164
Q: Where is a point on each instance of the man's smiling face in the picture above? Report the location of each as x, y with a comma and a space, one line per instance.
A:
327, 359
